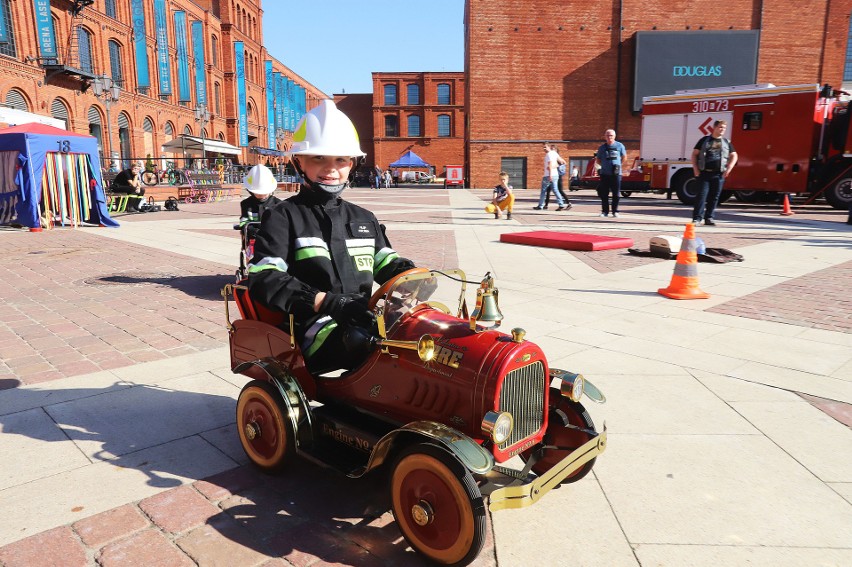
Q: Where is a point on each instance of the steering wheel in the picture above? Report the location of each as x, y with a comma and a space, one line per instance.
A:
385, 287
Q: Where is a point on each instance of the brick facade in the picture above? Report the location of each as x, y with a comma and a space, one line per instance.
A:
359, 109
438, 151
146, 114
563, 71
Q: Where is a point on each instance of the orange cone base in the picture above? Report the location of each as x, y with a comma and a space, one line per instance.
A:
683, 288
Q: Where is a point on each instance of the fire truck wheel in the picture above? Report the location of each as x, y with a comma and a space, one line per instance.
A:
266, 432
437, 505
626, 193
746, 196
563, 422
725, 196
685, 187
839, 195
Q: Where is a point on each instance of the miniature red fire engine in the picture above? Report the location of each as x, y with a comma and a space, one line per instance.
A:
443, 400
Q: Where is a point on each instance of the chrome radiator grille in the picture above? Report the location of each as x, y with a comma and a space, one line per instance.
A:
522, 395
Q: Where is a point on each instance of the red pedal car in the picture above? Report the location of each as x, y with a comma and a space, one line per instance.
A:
442, 399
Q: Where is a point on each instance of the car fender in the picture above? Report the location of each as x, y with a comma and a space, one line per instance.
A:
298, 408
469, 453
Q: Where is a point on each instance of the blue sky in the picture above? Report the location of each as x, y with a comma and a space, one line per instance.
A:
337, 44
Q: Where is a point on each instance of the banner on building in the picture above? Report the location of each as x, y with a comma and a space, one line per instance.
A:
240, 64
200, 63
44, 29
278, 79
143, 73
163, 72
184, 94
291, 102
270, 104
669, 61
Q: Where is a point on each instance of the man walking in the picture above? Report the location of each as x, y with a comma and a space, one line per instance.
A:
610, 157
550, 180
713, 158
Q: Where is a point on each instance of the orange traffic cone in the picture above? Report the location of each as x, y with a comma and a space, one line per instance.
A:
787, 211
684, 284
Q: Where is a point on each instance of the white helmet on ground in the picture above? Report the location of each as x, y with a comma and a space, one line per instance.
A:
260, 181
325, 131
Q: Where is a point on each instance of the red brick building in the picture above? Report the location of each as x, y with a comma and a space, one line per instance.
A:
565, 71
359, 108
421, 112
104, 39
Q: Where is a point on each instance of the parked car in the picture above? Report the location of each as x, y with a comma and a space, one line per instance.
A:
415, 177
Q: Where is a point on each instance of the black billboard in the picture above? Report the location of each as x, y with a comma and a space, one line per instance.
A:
669, 61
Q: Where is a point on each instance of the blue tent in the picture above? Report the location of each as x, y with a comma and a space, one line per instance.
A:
33, 153
409, 159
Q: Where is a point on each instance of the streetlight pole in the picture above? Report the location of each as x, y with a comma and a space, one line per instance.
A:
202, 115
108, 91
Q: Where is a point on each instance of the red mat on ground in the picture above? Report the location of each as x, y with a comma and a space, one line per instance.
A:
567, 240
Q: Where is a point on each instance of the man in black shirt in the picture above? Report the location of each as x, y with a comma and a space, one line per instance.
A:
713, 158
129, 182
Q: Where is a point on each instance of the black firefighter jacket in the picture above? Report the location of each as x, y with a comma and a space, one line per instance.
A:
311, 243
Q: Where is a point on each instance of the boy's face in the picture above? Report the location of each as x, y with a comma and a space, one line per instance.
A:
327, 170
504, 180
259, 197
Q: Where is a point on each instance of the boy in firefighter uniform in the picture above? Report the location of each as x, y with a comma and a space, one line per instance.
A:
316, 255
260, 183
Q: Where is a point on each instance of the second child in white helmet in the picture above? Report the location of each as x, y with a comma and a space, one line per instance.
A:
317, 255
260, 183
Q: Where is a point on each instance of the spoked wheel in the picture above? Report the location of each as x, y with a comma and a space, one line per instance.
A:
266, 432
563, 413
150, 178
437, 505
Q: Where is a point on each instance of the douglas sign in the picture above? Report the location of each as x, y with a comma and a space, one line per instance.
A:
671, 61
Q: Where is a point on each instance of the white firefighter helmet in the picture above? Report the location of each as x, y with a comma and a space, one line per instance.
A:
260, 181
325, 131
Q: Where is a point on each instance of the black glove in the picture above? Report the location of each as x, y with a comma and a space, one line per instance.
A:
348, 309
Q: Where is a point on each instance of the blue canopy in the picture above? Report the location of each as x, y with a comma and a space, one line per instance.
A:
33, 143
409, 159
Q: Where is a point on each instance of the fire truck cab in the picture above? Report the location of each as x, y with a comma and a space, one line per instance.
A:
792, 139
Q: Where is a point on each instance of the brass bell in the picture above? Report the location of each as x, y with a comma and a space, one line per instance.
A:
487, 310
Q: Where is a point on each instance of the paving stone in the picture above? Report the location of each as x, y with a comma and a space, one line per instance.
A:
57, 547
179, 509
108, 526
223, 543
144, 548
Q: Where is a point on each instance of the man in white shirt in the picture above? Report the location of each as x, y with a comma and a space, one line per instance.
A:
550, 179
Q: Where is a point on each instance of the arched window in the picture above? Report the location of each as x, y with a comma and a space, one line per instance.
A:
124, 139
390, 95
187, 130
84, 49
214, 51
115, 63
413, 94
59, 110
148, 137
391, 127
8, 47
413, 125
445, 126
95, 128
16, 99
443, 93
169, 131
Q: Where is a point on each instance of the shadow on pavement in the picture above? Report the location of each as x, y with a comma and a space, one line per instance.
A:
141, 427
203, 287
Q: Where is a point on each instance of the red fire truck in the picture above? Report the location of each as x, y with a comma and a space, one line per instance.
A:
793, 139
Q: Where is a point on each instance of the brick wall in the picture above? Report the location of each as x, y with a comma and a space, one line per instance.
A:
550, 72
359, 109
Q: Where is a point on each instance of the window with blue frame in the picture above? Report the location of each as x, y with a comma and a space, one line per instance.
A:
444, 126
413, 94
390, 94
84, 46
8, 47
413, 125
443, 93
109, 8
115, 63
391, 127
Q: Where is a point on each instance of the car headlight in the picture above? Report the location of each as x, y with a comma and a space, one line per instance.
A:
572, 386
498, 426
